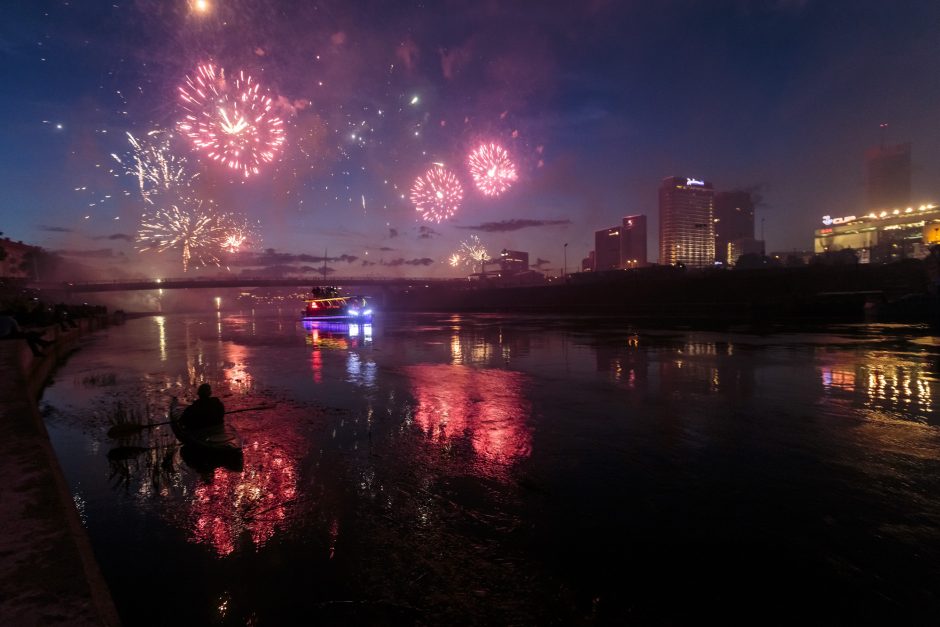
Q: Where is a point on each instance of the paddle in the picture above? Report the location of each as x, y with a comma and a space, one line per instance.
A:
130, 428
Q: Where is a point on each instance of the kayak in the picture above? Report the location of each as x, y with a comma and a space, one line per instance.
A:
218, 440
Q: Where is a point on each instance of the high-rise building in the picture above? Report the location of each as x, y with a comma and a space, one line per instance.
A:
513, 261
607, 249
633, 242
734, 220
888, 177
587, 264
686, 222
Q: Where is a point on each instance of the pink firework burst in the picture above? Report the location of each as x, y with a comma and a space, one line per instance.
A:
230, 120
492, 169
437, 194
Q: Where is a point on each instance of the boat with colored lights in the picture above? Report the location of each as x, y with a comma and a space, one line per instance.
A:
329, 306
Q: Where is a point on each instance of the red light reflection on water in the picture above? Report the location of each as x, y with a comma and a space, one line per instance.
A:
317, 365
236, 371
254, 501
840, 378
488, 406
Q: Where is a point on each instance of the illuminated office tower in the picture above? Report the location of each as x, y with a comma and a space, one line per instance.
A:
633, 242
734, 221
686, 222
888, 177
607, 249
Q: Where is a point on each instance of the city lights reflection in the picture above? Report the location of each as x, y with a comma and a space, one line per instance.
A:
161, 330
885, 382
360, 371
236, 369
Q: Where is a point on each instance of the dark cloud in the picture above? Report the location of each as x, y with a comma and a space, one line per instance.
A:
100, 253
540, 263
116, 236
513, 225
281, 270
757, 192
426, 232
386, 248
271, 257
423, 261
54, 229
392, 233
366, 263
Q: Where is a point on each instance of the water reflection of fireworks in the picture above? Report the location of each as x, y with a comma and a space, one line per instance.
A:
253, 501
488, 406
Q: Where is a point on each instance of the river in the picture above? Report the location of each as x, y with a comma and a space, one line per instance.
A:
445, 469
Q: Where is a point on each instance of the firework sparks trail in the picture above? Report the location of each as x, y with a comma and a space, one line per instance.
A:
230, 120
437, 194
470, 252
233, 242
193, 227
492, 170
157, 170
239, 233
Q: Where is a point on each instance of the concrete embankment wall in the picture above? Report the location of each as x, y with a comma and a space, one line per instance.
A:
48, 573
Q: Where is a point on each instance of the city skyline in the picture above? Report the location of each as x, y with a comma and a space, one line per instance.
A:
590, 105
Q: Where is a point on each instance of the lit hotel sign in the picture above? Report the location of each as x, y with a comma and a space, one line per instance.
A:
694, 182
827, 220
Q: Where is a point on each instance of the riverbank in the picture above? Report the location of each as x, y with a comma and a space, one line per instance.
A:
663, 295
48, 572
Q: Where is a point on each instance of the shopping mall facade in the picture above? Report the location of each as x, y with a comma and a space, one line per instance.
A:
882, 236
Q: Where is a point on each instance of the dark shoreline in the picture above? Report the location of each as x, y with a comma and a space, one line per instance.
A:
794, 297
49, 573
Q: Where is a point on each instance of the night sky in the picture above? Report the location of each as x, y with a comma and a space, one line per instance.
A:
594, 101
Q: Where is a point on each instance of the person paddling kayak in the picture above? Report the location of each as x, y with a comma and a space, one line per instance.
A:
206, 411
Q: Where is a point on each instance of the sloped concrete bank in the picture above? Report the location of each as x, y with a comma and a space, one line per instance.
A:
48, 572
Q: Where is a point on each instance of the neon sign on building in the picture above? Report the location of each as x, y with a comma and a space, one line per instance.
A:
827, 220
689, 181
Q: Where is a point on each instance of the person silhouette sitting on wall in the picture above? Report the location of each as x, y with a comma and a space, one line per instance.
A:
10, 329
206, 411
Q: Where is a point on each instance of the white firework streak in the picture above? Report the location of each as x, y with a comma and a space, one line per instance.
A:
240, 233
193, 227
157, 170
470, 252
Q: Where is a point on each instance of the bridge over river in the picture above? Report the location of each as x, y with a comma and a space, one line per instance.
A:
130, 285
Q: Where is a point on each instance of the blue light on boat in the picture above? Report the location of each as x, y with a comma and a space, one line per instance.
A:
353, 312
367, 312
